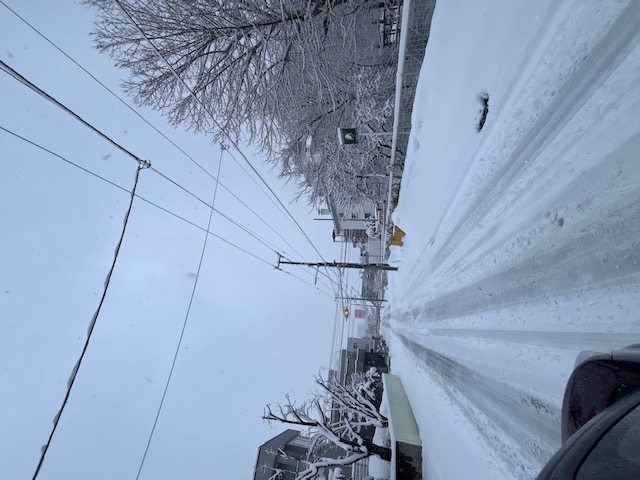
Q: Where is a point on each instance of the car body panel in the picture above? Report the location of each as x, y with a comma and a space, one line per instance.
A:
597, 383
569, 458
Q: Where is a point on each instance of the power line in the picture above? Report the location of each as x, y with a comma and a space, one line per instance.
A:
307, 283
7, 69
97, 80
242, 227
184, 323
229, 138
44, 94
259, 217
301, 265
92, 325
62, 158
243, 250
280, 206
10, 71
137, 196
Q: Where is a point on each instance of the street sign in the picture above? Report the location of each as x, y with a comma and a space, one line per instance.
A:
347, 136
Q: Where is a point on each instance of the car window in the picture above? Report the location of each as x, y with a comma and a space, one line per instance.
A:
617, 455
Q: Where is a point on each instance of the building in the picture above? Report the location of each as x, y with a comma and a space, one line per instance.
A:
359, 356
353, 227
288, 453
368, 344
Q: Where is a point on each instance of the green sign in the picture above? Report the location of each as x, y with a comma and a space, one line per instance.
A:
347, 136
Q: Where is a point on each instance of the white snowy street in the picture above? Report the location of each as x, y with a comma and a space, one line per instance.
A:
522, 237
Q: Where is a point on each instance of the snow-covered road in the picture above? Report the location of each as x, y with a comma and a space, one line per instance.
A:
522, 244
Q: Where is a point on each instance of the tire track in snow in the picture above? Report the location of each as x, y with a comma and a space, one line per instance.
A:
524, 70
554, 339
609, 255
617, 169
531, 424
603, 59
597, 230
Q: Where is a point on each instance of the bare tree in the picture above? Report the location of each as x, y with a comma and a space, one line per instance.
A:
354, 176
269, 72
336, 415
243, 59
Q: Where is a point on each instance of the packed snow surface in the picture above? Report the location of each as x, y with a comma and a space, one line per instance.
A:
523, 233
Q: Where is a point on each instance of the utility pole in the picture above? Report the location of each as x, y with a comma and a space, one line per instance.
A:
334, 264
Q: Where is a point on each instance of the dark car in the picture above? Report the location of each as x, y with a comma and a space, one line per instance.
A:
600, 420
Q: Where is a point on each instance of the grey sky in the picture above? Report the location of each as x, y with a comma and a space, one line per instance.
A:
254, 334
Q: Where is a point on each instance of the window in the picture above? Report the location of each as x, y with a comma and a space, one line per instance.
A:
617, 454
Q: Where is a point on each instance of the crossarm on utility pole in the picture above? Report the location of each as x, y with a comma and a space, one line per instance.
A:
367, 266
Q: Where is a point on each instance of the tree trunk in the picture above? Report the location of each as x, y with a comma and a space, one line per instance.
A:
383, 452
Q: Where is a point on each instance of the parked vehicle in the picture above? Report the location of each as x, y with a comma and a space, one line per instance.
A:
597, 383
600, 420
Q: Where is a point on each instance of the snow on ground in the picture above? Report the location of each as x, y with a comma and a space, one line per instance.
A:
522, 238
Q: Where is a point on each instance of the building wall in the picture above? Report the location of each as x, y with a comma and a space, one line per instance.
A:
267, 456
288, 451
354, 343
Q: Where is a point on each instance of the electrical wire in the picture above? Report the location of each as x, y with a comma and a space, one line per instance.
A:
307, 283
229, 138
12, 72
100, 83
344, 282
184, 325
9, 70
60, 157
92, 325
10, 132
257, 237
154, 127
242, 227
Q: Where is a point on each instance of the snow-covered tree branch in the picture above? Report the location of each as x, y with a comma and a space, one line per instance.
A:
270, 72
336, 415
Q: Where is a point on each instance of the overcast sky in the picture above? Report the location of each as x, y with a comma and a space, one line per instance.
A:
253, 335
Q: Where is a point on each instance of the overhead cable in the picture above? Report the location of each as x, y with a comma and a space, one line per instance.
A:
184, 325
92, 324
10, 71
243, 250
98, 81
236, 223
7, 69
213, 118
137, 113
